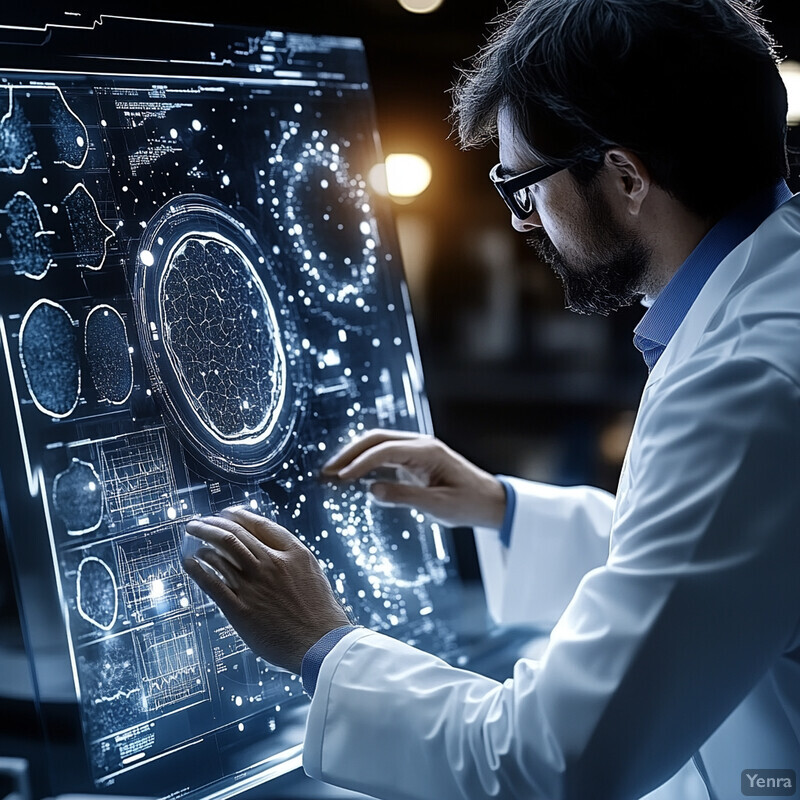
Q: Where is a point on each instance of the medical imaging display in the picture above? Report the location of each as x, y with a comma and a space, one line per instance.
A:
201, 299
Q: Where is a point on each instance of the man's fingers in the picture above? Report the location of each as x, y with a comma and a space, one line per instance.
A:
210, 583
265, 530
402, 494
225, 570
230, 539
386, 454
363, 443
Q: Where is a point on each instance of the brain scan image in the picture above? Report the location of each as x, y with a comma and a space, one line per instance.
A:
201, 299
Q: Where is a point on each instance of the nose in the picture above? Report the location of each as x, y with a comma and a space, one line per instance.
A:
526, 225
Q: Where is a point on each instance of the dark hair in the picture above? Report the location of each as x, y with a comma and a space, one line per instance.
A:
691, 86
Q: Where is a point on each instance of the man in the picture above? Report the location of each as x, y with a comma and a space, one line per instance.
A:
642, 144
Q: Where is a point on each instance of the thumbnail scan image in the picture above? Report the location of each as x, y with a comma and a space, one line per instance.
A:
200, 301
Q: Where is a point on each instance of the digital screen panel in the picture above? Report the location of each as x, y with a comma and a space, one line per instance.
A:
201, 298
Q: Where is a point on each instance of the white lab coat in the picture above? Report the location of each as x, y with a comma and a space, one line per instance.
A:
675, 606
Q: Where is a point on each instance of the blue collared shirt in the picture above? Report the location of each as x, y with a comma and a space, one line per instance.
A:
651, 337
662, 319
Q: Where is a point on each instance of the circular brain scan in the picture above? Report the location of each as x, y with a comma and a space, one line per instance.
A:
216, 333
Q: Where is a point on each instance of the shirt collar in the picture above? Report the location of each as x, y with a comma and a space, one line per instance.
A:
667, 311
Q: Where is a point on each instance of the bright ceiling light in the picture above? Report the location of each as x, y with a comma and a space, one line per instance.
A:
790, 72
420, 6
404, 176
407, 174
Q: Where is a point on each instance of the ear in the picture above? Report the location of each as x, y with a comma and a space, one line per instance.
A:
629, 177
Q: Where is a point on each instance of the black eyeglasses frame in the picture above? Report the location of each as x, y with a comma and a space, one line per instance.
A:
508, 185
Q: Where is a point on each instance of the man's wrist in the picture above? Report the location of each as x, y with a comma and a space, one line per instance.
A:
316, 654
504, 531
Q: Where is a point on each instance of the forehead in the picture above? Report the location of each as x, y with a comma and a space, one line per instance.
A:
515, 152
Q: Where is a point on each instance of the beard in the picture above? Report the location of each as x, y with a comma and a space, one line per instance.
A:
613, 277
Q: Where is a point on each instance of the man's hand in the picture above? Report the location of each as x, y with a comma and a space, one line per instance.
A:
431, 477
272, 590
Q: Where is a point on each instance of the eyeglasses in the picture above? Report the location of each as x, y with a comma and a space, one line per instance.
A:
516, 189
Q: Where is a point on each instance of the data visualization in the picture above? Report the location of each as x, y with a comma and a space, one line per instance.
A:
201, 299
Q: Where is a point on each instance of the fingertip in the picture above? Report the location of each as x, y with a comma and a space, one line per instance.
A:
232, 511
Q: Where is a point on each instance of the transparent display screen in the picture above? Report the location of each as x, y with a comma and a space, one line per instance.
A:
200, 300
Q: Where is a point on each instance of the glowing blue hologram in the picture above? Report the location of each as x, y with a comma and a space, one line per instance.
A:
69, 133
220, 207
17, 147
78, 498
48, 350
97, 600
89, 233
217, 339
169, 660
108, 353
31, 253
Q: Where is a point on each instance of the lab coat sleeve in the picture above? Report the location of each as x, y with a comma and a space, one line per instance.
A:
558, 534
698, 597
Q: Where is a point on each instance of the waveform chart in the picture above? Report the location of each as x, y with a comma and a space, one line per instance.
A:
171, 668
154, 583
111, 689
48, 350
78, 497
217, 335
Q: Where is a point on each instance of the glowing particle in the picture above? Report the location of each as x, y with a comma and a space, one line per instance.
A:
196, 124
173, 133
156, 589
146, 257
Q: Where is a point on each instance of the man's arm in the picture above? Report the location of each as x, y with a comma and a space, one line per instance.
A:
698, 598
